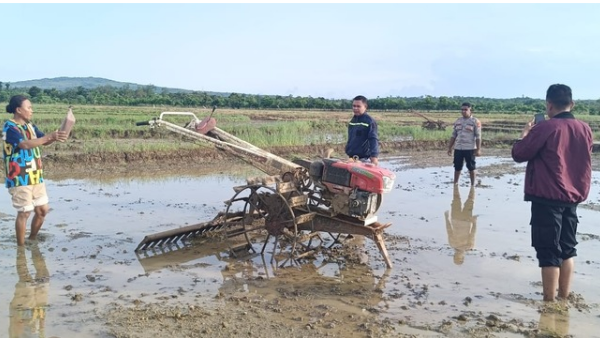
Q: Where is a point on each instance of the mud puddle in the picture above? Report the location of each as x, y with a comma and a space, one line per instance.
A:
462, 265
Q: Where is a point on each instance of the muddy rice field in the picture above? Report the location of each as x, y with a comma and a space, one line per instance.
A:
462, 261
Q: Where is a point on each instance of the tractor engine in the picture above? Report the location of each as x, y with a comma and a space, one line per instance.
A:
351, 188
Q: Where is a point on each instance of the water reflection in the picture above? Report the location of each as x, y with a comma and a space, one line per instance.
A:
554, 324
256, 274
461, 225
159, 258
325, 281
28, 306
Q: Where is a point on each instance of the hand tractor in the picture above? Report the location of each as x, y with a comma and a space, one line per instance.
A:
293, 207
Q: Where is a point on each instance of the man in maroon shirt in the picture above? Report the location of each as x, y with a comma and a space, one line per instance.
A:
557, 179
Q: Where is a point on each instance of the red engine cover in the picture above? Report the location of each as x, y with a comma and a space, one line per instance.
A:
368, 177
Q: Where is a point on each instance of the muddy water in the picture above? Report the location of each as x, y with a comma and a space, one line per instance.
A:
85, 262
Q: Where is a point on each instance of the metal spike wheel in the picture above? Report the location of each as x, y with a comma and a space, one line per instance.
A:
258, 213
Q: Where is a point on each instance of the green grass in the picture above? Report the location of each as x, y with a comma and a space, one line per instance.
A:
417, 133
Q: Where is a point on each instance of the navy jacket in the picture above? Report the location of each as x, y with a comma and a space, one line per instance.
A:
362, 137
559, 166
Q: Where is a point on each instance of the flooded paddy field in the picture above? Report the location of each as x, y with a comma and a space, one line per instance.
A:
463, 265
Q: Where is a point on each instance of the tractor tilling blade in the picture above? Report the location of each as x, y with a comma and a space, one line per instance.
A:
172, 236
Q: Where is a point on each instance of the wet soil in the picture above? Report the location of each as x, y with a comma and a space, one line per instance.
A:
346, 292
71, 164
210, 155
64, 163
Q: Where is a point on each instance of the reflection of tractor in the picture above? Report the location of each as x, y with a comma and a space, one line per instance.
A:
344, 281
350, 285
431, 124
293, 206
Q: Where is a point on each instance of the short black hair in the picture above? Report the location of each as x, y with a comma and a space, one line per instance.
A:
559, 95
15, 102
362, 99
466, 104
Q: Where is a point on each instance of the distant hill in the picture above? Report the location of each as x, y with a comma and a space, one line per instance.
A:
64, 83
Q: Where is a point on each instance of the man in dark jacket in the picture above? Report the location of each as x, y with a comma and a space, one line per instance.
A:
557, 179
363, 141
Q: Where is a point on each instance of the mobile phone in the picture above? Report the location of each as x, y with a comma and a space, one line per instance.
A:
539, 118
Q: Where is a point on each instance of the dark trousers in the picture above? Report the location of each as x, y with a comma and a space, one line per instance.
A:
464, 156
553, 233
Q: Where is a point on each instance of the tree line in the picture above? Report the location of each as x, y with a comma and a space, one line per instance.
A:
150, 96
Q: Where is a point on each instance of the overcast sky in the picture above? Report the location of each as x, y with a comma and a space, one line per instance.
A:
331, 51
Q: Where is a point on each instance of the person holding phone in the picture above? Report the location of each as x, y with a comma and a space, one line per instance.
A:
557, 178
466, 142
23, 166
537, 118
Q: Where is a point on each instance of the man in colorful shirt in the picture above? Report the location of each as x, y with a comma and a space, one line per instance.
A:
466, 140
23, 166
